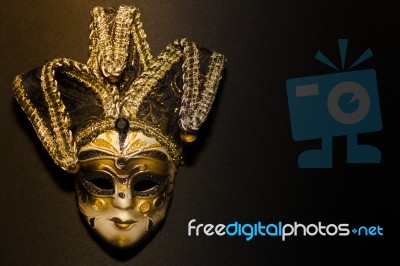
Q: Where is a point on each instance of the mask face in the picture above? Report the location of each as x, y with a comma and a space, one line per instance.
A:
123, 190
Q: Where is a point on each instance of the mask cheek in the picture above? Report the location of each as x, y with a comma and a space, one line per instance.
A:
92, 208
152, 210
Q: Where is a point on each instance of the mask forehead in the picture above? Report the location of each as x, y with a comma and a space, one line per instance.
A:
124, 186
125, 145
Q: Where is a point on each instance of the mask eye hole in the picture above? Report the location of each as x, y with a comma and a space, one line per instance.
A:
102, 183
97, 183
148, 184
144, 185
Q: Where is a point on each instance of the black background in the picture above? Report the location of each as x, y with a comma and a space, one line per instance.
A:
244, 166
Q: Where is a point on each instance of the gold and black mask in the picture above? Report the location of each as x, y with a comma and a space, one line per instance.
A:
119, 121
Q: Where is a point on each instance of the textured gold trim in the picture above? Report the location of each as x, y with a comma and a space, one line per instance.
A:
195, 105
212, 79
60, 121
111, 46
191, 83
139, 39
38, 124
92, 130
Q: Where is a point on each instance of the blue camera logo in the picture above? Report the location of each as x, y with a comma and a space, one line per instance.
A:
344, 103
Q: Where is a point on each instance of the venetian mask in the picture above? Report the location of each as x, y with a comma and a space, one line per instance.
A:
120, 121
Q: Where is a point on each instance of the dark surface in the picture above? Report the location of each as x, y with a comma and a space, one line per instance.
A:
244, 167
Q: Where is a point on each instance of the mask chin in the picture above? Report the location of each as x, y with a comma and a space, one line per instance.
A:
125, 232
125, 197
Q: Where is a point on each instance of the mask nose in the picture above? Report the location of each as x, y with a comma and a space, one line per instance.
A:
123, 200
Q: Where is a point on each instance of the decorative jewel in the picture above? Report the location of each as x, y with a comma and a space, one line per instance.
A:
119, 122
